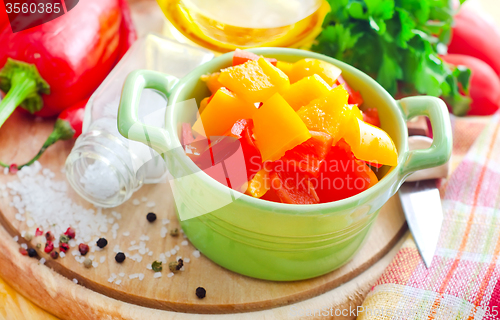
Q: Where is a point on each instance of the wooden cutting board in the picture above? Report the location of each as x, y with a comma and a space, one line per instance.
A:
227, 292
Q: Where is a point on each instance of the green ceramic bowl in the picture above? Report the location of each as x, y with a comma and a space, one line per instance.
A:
268, 240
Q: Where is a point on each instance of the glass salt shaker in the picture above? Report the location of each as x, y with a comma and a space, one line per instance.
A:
104, 167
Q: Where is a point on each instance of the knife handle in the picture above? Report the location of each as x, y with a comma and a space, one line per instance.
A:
440, 150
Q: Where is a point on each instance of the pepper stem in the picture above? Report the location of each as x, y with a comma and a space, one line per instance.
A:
23, 85
62, 131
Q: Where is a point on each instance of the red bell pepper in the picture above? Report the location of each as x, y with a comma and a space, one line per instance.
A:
61, 62
354, 96
293, 188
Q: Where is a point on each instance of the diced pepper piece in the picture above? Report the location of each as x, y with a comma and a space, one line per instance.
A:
354, 96
329, 114
305, 90
259, 184
308, 67
371, 116
242, 56
370, 143
223, 110
243, 131
293, 189
203, 105
254, 81
286, 67
278, 128
342, 175
212, 81
308, 156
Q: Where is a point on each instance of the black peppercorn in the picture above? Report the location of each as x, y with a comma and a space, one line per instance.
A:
101, 243
32, 252
201, 292
120, 257
151, 217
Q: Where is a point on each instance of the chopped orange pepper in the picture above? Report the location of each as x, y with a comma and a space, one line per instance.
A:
286, 67
212, 81
370, 143
203, 105
224, 109
278, 128
328, 114
254, 81
307, 67
260, 184
305, 90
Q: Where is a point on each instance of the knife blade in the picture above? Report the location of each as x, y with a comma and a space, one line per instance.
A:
422, 207
422, 203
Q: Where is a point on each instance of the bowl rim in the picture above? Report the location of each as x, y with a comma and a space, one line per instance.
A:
339, 206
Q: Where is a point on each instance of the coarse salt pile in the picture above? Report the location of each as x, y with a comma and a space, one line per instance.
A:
43, 202
99, 181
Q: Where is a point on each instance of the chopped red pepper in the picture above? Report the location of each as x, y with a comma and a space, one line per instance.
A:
293, 188
354, 96
371, 116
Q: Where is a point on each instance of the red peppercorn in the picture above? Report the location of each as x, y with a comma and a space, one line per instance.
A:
23, 251
70, 233
54, 254
13, 168
49, 246
38, 232
63, 247
49, 236
83, 248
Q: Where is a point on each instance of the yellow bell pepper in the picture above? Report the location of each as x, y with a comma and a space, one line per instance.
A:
259, 185
328, 114
254, 81
277, 128
203, 105
286, 67
307, 67
370, 143
212, 81
305, 90
222, 112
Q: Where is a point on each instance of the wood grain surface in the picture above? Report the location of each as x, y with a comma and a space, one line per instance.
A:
228, 292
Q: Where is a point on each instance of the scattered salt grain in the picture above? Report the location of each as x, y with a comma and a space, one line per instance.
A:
165, 221
92, 257
163, 232
5, 170
133, 242
42, 261
75, 281
170, 275
116, 249
157, 275
168, 254
150, 253
118, 282
186, 260
24, 246
30, 223
141, 276
95, 264
122, 274
126, 233
136, 202
23, 233
177, 248
196, 253
16, 238
182, 268
184, 243
102, 259
75, 253
144, 238
144, 199
133, 276
178, 258
62, 254
150, 204
149, 267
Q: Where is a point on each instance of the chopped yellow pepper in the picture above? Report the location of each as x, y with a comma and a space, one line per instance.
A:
307, 67
305, 90
222, 112
212, 81
370, 143
254, 81
259, 185
286, 67
328, 114
278, 128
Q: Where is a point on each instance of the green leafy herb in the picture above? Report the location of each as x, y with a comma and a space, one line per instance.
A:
157, 266
398, 43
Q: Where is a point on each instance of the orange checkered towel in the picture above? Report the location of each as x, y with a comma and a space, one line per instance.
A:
463, 281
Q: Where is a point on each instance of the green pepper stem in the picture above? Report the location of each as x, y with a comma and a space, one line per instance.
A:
62, 131
22, 87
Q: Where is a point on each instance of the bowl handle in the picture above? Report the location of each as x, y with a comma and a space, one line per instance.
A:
440, 150
128, 124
